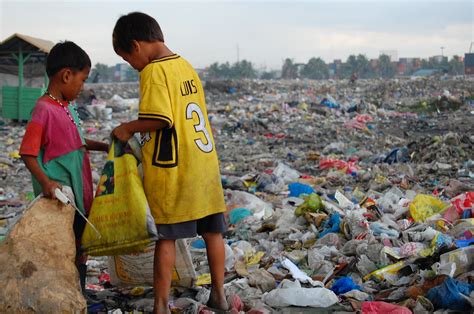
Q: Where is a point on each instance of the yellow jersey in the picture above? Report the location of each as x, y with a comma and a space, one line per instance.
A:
181, 171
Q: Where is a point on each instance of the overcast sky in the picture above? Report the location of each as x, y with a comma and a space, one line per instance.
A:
263, 32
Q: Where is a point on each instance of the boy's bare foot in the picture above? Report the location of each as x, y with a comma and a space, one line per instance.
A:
217, 300
161, 308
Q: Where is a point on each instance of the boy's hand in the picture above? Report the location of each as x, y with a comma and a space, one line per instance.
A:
96, 146
122, 132
48, 188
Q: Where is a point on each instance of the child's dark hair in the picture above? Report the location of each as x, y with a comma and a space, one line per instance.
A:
66, 55
135, 26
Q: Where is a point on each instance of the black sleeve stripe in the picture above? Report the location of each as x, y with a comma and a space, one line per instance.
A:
174, 56
154, 116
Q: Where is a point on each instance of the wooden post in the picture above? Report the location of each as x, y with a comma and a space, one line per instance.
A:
21, 61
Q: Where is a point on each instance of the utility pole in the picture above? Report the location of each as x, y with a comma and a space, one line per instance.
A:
238, 57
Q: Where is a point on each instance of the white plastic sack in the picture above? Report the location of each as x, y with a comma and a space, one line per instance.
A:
137, 269
297, 296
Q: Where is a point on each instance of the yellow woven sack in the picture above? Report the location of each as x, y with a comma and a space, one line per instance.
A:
120, 210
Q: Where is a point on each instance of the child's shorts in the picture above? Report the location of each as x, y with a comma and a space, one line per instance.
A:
189, 229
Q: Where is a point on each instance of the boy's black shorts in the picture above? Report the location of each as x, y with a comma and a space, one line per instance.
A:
189, 229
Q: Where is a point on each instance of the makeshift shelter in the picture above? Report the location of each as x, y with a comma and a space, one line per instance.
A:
17, 53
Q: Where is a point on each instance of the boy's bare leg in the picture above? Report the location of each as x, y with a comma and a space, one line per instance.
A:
165, 255
216, 258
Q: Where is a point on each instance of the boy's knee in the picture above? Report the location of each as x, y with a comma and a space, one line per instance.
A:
209, 236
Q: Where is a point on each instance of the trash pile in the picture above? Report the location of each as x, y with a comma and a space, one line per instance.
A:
339, 197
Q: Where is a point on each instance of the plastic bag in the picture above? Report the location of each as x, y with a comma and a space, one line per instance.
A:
343, 285
349, 167
463, 258
285, 173
120, 210
237, 214
137, 269
296, 189
425, 206
291, 293
376, 307
236, 199
312, 204
451, 294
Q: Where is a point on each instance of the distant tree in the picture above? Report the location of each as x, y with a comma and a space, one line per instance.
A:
106, 73
243, 69
386, 67
289, 70
131, 75
269, 75
219, 71
349, 67
363, 68
225, 71
214, 71
239, 70
456, 67
315, 69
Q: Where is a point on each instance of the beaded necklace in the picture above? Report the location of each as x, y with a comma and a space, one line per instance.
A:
65, 109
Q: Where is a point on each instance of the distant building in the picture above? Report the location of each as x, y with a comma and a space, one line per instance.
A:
408, 65
335, 68
374, 63
438, 59
120, 72
402, 68
125, 73
416, 63
469, 63
201, 72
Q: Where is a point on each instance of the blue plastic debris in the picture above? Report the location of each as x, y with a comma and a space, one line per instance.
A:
343, 285
296, 189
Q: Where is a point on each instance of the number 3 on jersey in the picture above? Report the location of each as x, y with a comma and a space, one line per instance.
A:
200, 127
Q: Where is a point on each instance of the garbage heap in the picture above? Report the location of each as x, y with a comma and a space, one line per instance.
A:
340, 198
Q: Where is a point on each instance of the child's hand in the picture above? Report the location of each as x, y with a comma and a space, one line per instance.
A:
48, 188
122, 133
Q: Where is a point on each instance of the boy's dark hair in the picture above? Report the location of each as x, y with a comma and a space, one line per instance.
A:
135, 26
66, 55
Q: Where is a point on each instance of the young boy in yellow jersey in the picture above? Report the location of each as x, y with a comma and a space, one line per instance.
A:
181, 171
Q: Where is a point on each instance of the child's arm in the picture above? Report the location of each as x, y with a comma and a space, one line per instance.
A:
98, 146
48, 185
126, 130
